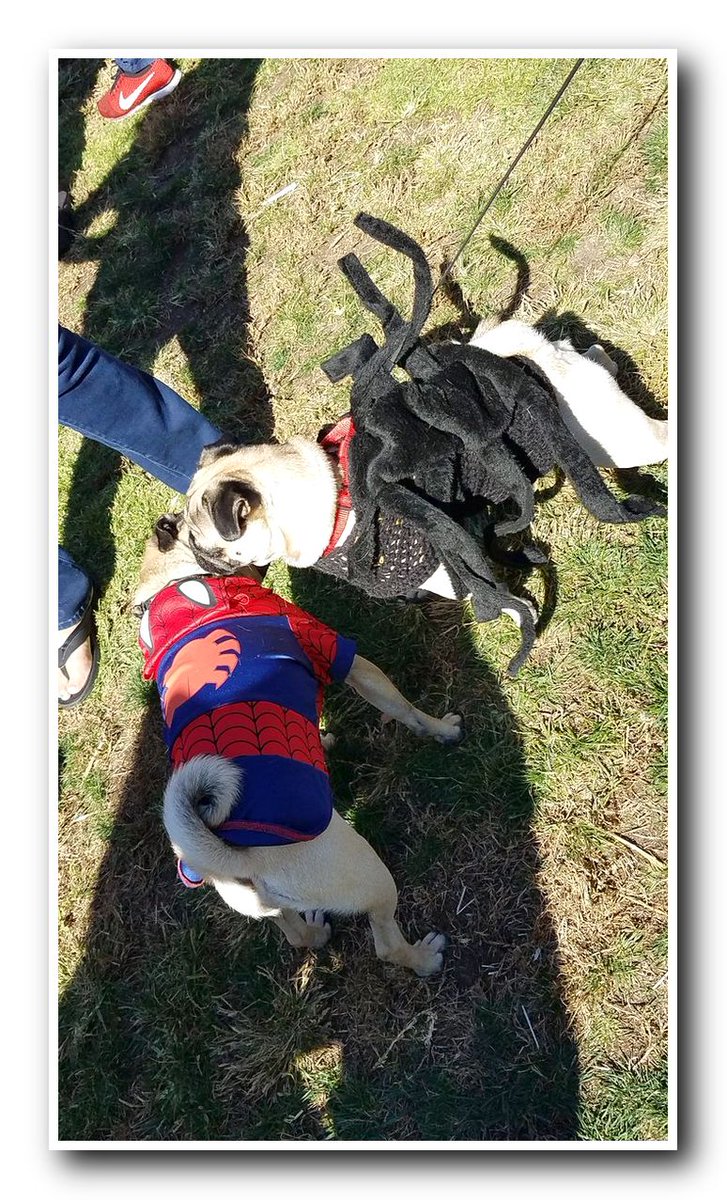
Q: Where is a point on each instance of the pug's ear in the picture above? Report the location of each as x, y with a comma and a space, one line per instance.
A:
167, 531
217, 450
230, 505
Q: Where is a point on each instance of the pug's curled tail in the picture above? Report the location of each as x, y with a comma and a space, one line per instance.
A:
199, 796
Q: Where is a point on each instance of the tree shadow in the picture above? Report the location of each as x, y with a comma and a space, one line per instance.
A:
171, 249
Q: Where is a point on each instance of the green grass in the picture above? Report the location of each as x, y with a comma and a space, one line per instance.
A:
656, 153
624, 228
631, 1105
180, 1020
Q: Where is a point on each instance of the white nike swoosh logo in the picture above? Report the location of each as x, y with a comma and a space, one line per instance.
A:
127, 101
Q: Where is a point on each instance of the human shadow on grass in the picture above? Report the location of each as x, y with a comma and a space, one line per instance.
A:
171, 263
174, 997
483, 1051
76, 77
171, 249
164, 973
187, 1021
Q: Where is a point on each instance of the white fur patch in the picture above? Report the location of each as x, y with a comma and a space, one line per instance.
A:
439, 584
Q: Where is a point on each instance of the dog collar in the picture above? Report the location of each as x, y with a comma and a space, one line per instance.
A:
337, 443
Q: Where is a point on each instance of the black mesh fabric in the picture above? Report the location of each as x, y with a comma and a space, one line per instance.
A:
402, 559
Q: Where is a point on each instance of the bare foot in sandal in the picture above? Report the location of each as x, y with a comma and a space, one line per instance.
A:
78, 667
77, 660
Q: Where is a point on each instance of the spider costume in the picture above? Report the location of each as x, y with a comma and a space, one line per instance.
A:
464, 437
241, 673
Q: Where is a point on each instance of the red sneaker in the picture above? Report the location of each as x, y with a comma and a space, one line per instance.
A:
132, 92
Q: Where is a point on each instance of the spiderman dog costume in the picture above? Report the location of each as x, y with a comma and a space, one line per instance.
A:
248, 807
241, 674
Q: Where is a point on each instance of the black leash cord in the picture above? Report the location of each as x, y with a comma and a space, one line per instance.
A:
509, 172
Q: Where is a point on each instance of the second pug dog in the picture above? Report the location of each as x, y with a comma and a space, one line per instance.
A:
612, 430
249, 806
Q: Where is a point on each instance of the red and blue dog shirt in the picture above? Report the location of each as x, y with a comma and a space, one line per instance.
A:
241, 673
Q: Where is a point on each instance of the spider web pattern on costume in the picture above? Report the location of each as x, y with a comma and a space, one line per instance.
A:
317, 640
254, 727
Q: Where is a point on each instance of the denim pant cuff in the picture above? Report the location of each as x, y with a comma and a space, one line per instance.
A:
133, 66
74, 590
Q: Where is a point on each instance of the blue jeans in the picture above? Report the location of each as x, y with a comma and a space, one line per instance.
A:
133, 66
124, 408
74, 590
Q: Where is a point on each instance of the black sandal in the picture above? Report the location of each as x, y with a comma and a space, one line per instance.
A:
86, 628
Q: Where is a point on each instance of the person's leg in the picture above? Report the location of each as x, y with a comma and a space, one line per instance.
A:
74, 596
132, 412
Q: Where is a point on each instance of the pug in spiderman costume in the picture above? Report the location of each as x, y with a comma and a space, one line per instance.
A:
249, 809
